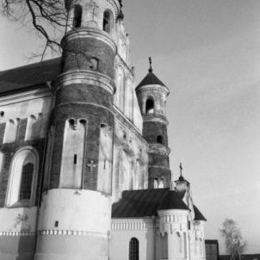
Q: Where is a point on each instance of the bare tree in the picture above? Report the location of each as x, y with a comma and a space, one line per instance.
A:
47, 17
234, 242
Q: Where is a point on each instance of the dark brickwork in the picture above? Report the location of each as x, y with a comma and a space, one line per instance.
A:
82, 101
158, 159
83, 93
155, 172
151, 131
156, 132
94, 116
79, 52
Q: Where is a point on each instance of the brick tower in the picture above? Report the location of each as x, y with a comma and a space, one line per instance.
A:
75, 213
152, 95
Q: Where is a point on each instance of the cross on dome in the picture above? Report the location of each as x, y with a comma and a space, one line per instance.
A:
150, 65
181, 169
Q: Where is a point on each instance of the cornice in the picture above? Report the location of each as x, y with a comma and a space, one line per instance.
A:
89, 32
85, 77
132, 224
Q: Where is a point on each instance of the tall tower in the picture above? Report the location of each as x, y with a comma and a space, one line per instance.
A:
152, 95
75, 213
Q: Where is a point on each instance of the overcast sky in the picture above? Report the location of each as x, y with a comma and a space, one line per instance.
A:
208, 53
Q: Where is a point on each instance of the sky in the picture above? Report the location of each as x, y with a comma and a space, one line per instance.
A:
208, 53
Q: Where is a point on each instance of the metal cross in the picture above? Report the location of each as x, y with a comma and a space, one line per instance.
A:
181, 169
150, 63
91, 165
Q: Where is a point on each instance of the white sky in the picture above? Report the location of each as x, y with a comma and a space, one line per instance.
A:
208, 54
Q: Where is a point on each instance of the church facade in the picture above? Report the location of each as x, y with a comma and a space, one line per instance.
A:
84, 154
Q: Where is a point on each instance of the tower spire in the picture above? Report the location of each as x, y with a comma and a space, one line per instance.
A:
150, 65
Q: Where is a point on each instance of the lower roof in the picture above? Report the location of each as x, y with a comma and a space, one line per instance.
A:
147, 203
29, 76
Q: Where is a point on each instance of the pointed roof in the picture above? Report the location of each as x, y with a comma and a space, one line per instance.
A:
198, 214
150, 78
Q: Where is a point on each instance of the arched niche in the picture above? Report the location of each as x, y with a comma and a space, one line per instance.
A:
105, 159
11, 131
164, 245
120, 88
23, 178
73, 153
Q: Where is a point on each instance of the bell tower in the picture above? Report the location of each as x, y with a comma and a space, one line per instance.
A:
75, 214
152, 95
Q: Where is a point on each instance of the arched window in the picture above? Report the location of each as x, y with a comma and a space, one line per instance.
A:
134, 249
149, 108
26, 181
77, 16
159, 139
108, 21
23, 178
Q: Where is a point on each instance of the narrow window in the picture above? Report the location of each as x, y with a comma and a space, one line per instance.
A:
26, 182
75, 159
159, 139
107, 21
149, 109
134, 249
77, 16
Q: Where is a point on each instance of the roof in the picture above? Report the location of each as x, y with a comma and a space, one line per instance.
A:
150, 79
29, 75
198, 214
146, 203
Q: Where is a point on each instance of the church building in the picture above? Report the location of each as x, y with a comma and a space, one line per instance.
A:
84, 156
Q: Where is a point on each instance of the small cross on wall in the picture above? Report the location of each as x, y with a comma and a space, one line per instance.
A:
91, 165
